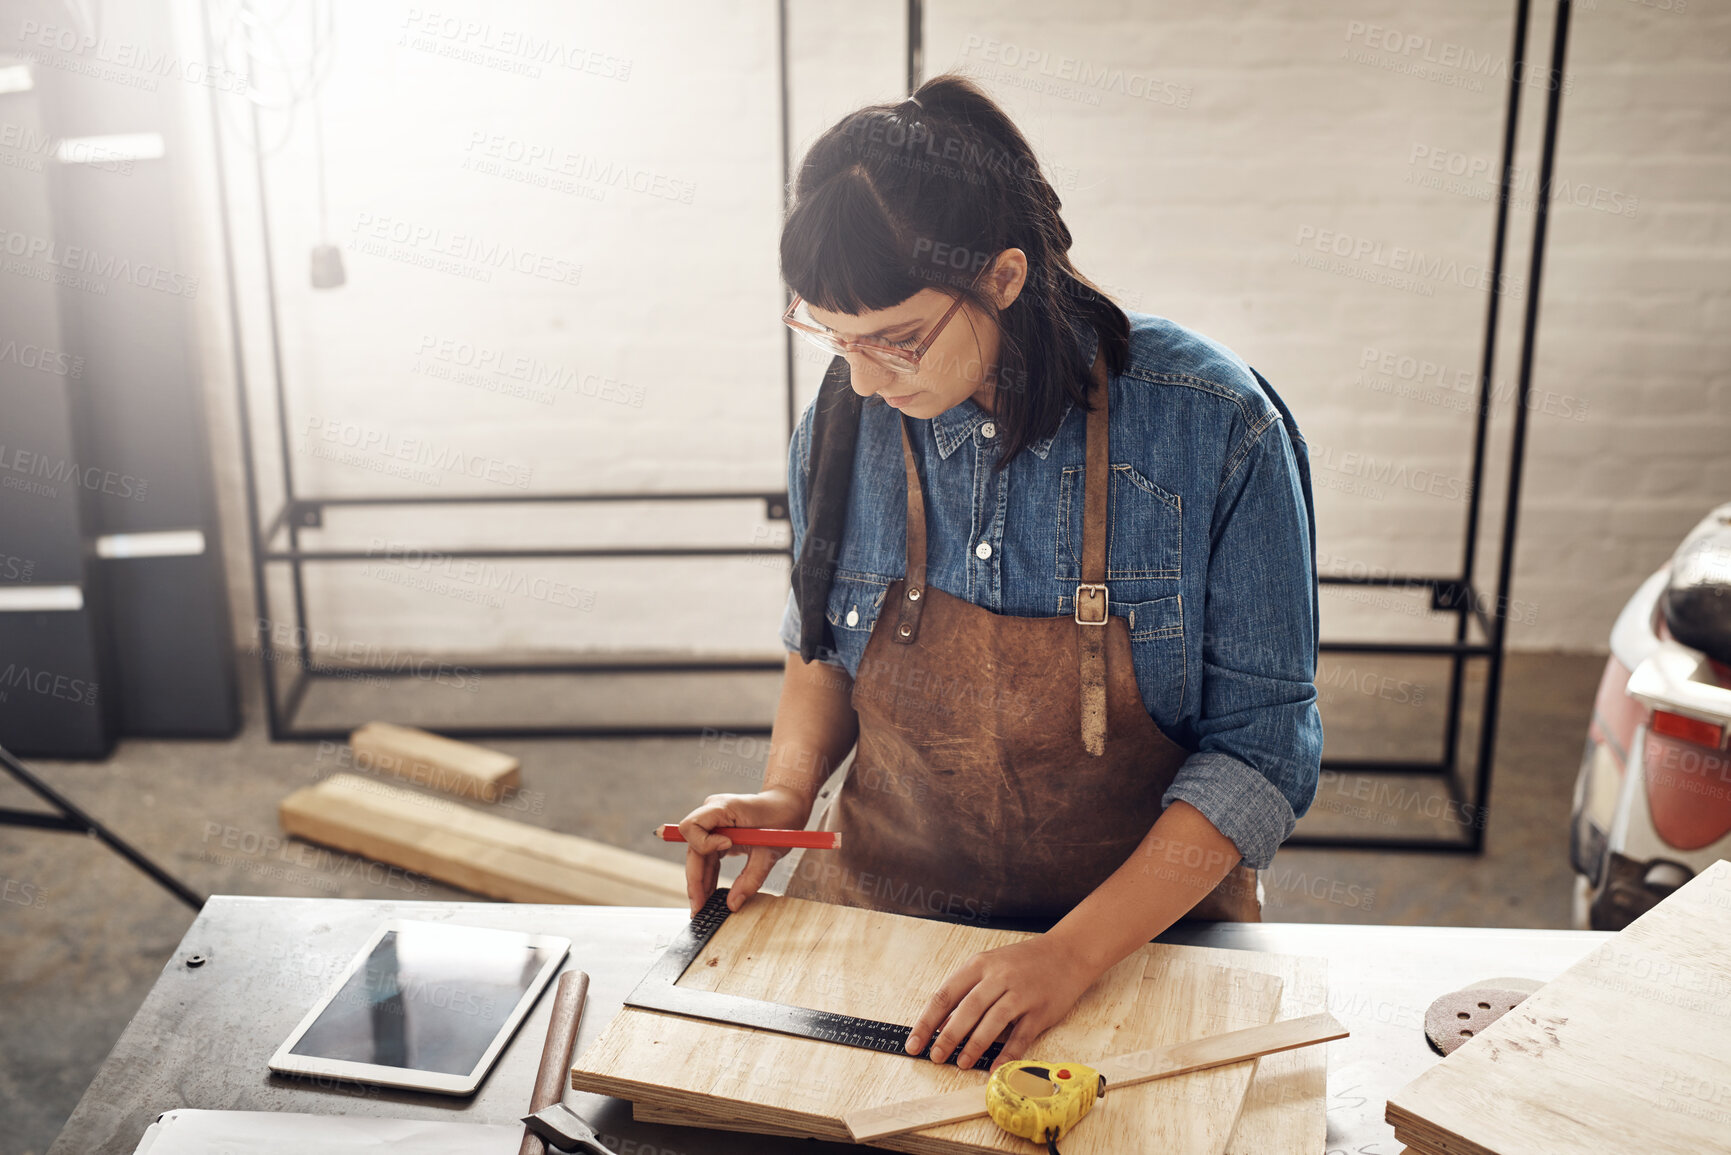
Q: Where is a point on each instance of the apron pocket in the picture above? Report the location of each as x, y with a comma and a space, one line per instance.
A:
1157, 649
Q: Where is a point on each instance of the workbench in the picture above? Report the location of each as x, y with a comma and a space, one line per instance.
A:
250, 968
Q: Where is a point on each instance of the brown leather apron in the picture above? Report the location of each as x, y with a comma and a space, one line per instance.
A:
1005, 765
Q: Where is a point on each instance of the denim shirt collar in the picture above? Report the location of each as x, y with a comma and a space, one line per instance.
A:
957, 424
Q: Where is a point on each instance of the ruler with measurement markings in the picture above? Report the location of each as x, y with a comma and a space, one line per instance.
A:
660, 991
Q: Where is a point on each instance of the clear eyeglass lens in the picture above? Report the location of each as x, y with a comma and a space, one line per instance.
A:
802, 314
829, 344
888, 360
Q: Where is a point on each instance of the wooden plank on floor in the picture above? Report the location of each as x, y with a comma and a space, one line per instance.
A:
487, 854
1627, 1050
885, 966
432, 760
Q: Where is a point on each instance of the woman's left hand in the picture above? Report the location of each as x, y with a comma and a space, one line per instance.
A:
1032, 983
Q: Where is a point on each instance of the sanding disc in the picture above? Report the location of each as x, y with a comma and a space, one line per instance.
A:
1457, 1017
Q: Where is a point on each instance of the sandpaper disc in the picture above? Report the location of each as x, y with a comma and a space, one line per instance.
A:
1457, 1017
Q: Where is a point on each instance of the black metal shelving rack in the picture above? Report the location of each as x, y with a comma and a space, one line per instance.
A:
1459, 594
299, 512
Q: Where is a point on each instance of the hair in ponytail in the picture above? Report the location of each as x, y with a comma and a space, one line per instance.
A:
896, 198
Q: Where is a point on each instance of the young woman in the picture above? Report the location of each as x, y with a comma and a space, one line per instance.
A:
1055, 583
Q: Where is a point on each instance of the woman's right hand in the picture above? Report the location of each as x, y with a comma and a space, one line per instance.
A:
775, 807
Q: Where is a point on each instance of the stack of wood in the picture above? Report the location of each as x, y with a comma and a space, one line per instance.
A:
1627, 1050
460, 844
880, 966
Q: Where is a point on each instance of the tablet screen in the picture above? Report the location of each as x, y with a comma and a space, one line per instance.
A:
428, 997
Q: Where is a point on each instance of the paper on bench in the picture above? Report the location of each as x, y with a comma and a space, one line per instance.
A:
188, 1132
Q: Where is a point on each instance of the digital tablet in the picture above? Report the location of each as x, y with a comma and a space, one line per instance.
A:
426, 1005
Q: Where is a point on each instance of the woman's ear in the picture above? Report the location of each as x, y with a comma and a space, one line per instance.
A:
1008, 276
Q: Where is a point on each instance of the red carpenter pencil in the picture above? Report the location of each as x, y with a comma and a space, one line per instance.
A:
762, 836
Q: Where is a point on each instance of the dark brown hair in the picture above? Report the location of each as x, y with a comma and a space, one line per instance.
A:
895, 198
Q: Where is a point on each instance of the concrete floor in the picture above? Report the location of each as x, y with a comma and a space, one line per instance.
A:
85, 935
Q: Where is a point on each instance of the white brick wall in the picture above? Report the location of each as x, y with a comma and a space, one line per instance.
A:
1298, 120
1226, 150
1635, 313
658, 369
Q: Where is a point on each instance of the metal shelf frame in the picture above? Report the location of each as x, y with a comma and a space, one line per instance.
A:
300, 512
1459, 594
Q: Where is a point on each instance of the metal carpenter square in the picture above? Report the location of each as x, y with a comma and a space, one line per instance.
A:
659, 991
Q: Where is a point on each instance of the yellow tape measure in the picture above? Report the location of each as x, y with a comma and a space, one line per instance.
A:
1041, 1101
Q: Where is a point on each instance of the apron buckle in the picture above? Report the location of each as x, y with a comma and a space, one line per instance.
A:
1094, 590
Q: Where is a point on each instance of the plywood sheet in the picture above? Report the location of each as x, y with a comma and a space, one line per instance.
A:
884, 966
1284, 1111
1627, 1050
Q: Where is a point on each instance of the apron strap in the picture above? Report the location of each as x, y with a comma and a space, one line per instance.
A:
914, 588
1091, 600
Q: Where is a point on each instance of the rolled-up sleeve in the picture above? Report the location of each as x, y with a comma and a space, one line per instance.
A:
1255, 769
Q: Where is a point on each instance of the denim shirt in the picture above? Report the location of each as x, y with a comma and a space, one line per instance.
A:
1209, 559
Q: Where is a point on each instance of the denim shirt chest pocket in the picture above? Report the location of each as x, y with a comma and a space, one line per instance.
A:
1144, 565
1145, 538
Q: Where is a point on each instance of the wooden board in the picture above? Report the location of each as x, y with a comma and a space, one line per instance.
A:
884, 966
459, 768
1222, 1098
1197, 1118
1627, 1050
476, 851
1285, 1110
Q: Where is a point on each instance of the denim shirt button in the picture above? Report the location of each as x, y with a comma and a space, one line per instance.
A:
988, 430
853, 617
983, 550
